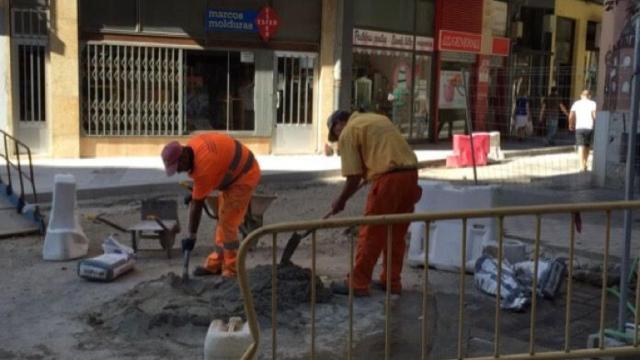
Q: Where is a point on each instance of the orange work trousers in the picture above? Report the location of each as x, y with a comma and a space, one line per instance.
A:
392, 193
233, 203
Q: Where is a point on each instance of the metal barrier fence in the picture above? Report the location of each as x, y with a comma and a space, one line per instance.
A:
388, 220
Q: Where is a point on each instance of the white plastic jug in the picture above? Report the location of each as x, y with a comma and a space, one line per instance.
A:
227, 341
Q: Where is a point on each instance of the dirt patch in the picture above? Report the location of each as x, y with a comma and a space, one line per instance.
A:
166, 304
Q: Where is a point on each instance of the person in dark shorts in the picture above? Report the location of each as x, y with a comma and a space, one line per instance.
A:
550, 113
581, 119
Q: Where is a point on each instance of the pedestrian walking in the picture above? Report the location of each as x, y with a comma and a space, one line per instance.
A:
550, 113
216, 161
373, 149
581, 119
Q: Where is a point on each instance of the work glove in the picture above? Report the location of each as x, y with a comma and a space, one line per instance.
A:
188, 243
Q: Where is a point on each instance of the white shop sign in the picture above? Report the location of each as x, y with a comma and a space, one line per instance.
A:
390, 40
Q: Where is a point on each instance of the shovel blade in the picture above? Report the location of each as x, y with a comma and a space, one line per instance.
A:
290, 248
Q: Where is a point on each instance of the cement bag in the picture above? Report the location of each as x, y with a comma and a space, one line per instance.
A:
551, 281
105, 267
117, 260
551, 274
512, 294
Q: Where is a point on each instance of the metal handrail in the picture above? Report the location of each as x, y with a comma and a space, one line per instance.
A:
18, 166
428, 218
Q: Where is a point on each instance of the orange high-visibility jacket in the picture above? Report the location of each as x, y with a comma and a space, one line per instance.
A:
219, 161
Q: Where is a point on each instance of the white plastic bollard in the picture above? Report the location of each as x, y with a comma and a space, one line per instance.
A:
227, 341
65, 239
445, 236
495, 150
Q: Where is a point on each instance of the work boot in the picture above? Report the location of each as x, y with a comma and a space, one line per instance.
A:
379, 285
341, 288
202, 271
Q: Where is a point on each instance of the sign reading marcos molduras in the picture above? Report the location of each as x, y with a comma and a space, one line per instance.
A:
459, 41
265, 22
231, 21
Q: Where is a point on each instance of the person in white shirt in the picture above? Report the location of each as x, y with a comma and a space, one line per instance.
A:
581, 119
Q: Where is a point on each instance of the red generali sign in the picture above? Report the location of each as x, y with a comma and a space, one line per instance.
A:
268, 22
500, 46
460, 41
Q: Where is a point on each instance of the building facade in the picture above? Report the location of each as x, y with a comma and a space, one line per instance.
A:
95, 78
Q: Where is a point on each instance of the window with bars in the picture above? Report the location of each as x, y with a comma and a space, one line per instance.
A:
132, 90
30, 31
31, 82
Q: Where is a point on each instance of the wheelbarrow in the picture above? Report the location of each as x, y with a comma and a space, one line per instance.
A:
158, 220
253, 219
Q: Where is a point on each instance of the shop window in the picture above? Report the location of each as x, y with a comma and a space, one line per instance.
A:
387, 73
109, 14
455, 72
421, 98
220, 91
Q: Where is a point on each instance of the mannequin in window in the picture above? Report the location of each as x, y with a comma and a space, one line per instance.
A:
363, 88
399, 98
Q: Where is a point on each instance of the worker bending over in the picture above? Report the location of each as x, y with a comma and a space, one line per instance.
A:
372, 149
216, 162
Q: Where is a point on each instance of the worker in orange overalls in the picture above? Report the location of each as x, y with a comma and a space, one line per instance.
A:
216, 161
372, 149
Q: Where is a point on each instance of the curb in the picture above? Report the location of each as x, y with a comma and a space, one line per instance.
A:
96, 193
509, 154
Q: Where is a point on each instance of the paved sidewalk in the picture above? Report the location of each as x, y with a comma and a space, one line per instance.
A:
112, 176
99, 177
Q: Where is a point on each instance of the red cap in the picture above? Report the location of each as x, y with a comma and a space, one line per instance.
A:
171, 156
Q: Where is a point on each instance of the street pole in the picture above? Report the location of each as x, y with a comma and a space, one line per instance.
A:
630, 177
469, 123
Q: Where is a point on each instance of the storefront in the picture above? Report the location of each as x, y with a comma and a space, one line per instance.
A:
458, 41
392, 62
150, 72
457, 70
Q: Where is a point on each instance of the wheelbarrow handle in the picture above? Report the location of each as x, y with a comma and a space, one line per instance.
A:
159, 221
100, 218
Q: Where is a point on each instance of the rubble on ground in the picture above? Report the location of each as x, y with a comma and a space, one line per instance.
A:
167, 302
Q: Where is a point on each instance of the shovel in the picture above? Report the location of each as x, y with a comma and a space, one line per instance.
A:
295, 239
293, 243
185, 269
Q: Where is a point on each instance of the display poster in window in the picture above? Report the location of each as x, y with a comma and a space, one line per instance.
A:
452, 92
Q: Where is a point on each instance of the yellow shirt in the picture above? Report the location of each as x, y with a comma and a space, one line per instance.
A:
370, 145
